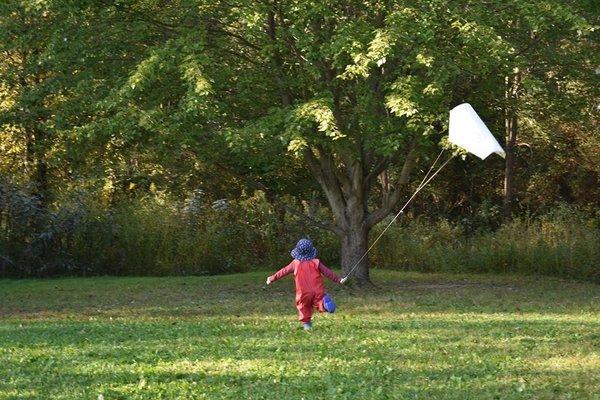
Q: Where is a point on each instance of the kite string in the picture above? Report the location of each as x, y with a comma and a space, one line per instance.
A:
430, 169
424, 182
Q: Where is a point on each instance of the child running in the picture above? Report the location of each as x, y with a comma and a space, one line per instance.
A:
310, 292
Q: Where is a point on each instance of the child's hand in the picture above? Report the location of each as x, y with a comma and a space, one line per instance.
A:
268, 280
343, 280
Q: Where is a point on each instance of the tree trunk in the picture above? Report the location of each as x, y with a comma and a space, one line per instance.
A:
41, 182
347, 192
37, 168
509, 184
355, 242
513, 86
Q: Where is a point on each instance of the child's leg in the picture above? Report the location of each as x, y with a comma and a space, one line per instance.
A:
318, 302
305, 309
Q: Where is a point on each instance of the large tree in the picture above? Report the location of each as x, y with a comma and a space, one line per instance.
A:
329, 84
356, 92
366, 87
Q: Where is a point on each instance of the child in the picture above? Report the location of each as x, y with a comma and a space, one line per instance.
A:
310, 292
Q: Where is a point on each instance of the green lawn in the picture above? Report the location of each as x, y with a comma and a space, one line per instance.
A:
416, 336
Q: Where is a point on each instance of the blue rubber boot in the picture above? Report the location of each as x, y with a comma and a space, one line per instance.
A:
328, 304
307, 326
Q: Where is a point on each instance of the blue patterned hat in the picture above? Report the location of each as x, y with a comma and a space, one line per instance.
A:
304, 250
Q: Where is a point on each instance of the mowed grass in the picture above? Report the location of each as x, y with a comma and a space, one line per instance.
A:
415, 336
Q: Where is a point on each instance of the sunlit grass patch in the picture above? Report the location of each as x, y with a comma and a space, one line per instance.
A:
414, 336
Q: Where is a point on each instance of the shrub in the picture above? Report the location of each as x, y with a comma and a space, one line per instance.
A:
564, 243
148, 236
159, 235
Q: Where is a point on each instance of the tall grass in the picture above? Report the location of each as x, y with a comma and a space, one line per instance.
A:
157, 237
162, 236
550, 245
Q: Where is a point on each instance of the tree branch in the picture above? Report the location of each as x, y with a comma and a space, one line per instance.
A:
289, 39
378, 168
240, 38
335, 180
409, 164
314, 221
243, 56
284, 91
330, 185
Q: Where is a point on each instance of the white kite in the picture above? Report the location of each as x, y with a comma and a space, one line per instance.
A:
468, 131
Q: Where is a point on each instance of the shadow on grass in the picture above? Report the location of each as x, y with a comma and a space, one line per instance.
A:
243, 296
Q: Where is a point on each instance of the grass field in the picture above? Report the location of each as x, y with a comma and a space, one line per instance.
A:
416, 336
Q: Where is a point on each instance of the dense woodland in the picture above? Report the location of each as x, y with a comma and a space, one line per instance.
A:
197, 137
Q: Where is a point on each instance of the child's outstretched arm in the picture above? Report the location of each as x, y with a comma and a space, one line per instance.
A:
328, 273
288, 269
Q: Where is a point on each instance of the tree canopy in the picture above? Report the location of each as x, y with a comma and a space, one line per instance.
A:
339, 102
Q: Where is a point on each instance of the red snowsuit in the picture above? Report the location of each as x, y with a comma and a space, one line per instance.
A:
309, 285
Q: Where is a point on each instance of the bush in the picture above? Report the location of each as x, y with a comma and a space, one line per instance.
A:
563, 243
148, 236
159, 235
